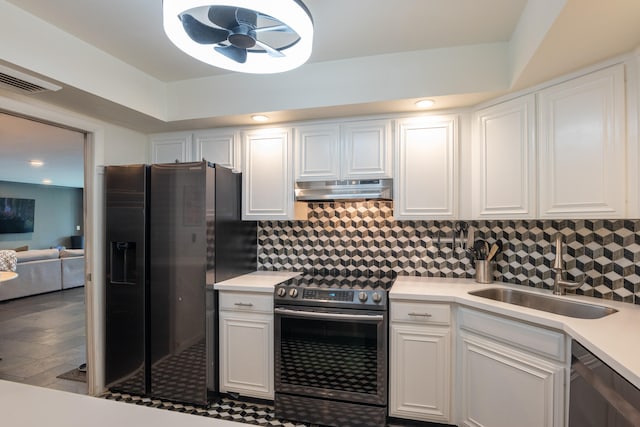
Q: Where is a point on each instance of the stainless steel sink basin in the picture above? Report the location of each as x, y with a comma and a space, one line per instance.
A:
555, 305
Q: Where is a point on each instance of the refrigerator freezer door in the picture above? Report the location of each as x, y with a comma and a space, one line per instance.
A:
125, 353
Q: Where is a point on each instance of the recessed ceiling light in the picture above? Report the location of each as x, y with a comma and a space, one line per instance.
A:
46, 181
260, 118
425, 103
36, 163
248, 36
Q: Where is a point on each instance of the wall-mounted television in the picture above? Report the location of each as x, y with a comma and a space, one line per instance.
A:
16, 215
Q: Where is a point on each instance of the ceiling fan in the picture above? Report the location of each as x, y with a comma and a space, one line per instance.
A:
228, 34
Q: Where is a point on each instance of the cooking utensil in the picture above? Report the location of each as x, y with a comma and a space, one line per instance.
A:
460, 227
492, 252
481, 249
470, 237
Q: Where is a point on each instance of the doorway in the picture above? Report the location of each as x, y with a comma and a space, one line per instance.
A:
43, 335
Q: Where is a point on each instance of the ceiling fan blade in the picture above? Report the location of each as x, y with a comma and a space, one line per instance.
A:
223, 16
234, 53
271, 51
246, 16
201, 33
279, 28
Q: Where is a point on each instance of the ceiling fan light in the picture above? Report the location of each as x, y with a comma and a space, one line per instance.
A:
293, 13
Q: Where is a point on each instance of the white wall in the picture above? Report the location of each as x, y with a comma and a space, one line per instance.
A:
124, 146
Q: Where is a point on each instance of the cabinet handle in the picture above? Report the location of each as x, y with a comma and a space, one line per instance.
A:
243, 304
420, 314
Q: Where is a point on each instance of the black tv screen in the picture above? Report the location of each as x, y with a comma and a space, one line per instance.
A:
16, 215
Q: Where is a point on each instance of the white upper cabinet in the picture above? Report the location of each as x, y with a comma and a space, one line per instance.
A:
220, 147
426, 165
317, 152
267, 183
504, 160
171, 148
367, 150
351, 150
582, 147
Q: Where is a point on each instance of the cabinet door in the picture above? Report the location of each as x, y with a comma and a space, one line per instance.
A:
171, 148
504, 160
267, 180
366, 150
246, 354
317, 152
220, 147
503, 387
420, 373
426, 182
582, 147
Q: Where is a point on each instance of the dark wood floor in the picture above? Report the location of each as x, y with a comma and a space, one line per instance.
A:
42, 337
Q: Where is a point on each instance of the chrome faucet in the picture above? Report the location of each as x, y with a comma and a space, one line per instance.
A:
559, 285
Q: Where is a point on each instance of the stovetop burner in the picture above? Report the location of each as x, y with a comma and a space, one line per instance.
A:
338, 279
331, 288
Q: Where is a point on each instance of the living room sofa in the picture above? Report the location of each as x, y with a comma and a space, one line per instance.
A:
45, 270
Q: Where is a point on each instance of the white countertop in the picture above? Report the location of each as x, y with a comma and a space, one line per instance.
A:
258, 281
23, 405
613, 338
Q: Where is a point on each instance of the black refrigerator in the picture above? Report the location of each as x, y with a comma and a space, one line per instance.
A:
172, 231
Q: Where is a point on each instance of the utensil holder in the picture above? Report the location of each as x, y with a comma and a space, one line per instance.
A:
484, 271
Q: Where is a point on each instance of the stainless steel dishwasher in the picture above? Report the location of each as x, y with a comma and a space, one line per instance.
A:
599, 396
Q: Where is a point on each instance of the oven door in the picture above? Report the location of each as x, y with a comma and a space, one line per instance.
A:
331, 353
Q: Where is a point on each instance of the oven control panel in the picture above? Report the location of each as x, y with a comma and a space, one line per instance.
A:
331, 297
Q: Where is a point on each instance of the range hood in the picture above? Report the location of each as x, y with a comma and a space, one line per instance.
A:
365, 189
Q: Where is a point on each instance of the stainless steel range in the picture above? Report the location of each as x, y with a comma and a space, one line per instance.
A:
331, 350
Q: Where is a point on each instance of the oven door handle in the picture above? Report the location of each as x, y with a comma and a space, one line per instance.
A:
321, 315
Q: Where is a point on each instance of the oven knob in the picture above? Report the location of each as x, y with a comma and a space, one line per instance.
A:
377, 297
362, 296
282, 292
293, 292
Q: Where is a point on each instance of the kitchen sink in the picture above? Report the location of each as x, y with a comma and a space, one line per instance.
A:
555, 305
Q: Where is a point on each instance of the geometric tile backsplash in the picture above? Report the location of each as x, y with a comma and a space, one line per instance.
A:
363, 237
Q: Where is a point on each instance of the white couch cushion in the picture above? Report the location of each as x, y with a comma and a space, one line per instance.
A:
70, 253
37, 254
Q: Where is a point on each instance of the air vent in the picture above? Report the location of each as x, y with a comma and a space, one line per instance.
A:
24, 83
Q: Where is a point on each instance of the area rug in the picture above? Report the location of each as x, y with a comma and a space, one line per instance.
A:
74, 375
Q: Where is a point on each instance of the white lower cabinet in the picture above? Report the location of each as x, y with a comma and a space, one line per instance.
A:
420, 362
246, 344
510, 373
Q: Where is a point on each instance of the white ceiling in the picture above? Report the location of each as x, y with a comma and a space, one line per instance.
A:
557, 37
131, 30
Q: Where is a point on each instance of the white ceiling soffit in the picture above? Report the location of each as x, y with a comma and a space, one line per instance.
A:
368, 56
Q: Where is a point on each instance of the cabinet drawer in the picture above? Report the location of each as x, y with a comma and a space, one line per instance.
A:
420, 312
537, 340
246, 301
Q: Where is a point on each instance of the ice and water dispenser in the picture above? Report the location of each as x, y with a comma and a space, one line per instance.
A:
123, 263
